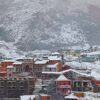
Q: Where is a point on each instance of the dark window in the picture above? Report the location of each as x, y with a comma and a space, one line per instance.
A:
27, 69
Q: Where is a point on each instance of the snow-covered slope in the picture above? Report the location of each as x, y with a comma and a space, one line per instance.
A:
8, 50
45, 24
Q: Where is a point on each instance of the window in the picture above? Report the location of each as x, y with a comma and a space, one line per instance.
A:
48, 98
65, 83
10, 75
2, 84
9, 84
21, 83
14, 83
27, 69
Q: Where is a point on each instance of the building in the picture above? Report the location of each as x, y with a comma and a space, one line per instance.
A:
53, 67
63, 85
13, 88
81, 85
18, 67
10, 72
3, 68
24, 67
38, 67
54, 59
27, 65
45, 97
96, 85
51, 71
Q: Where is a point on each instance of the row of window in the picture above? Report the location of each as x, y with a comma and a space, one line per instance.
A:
63, 83
12, 84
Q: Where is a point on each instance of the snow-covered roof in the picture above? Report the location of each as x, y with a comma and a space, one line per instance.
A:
54, 58
92, 53
71, 96
30, 58
52, 66
95, 74
21, 57
2, 72
17, 63
82, 65
8, 61
83, 74
61, 78
44, 94
24, 74
31, 97
10, 67
55, 53
27, 97
41, 62
55, 73
94, 67
65, 71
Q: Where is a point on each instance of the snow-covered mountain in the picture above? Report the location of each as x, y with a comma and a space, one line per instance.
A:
49, 24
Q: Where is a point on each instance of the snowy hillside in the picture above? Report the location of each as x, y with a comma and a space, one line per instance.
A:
45, 24
8, 50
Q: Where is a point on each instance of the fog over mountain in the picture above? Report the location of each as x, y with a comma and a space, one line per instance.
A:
49, 24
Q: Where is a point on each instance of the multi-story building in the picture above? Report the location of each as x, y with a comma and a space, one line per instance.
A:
3, 67
18, 67
13, 88
63, 85
10, 72
38, 67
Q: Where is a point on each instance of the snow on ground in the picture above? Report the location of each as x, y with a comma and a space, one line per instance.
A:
91, 96
88, 96
27, 97
8, 50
